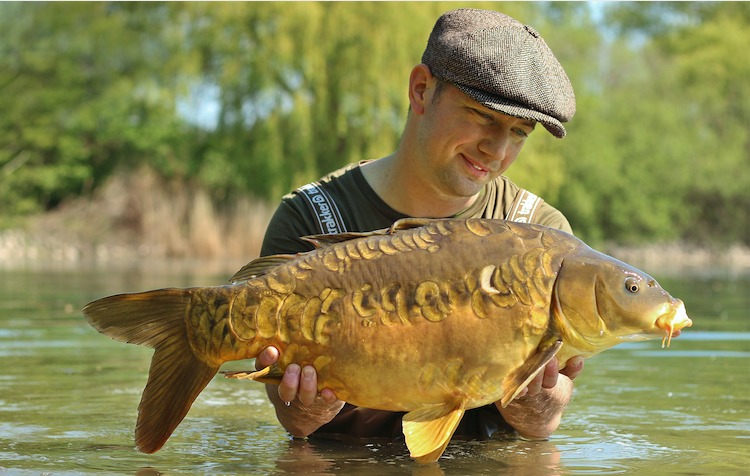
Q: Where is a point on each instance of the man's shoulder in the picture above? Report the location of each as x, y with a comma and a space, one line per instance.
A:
340, 181
339, 201
317, 203
344, 176
511, 195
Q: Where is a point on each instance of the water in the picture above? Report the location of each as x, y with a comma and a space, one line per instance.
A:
69, 396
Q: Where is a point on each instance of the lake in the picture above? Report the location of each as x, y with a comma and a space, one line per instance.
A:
69, 396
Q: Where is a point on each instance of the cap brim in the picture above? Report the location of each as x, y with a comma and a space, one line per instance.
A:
510, 108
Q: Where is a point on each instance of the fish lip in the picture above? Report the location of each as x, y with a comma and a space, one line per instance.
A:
672, 322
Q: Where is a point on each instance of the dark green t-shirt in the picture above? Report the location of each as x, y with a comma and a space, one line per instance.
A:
344, 201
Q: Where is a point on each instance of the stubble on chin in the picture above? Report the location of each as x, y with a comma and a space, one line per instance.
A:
458, 185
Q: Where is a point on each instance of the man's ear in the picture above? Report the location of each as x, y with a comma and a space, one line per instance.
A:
420, 82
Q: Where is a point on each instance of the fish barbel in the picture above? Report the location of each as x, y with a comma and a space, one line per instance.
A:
428, 317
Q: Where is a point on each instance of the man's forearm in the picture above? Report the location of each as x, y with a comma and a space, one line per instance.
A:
538, 416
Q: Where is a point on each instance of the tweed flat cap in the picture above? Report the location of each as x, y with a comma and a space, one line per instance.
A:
502, 64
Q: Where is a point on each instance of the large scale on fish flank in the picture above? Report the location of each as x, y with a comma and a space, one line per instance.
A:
430, 317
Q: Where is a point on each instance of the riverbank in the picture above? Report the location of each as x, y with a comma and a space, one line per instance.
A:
45, 243
139, 217
677, 259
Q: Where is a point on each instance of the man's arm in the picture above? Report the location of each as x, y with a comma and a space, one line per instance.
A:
537, 412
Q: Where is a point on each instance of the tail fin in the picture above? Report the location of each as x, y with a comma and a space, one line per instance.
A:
156, 319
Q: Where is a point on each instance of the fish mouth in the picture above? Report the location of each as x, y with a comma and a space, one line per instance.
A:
673, 322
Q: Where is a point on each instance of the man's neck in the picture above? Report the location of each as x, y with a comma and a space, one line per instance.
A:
393, 181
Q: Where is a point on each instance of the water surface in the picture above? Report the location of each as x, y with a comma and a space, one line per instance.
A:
69, 396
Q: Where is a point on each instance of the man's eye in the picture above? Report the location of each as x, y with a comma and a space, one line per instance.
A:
483, 115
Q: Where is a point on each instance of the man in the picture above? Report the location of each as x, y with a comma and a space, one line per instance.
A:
484, 83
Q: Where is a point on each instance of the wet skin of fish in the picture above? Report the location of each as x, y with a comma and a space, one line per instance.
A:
429, 317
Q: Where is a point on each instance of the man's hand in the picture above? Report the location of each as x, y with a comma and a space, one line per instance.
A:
537, 411
548, 377
297, 383
299, 407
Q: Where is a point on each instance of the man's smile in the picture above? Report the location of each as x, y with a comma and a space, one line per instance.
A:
476, 168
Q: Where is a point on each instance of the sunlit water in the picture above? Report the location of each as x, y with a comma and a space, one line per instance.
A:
69, 397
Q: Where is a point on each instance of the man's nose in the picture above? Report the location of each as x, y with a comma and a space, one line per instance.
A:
495, 145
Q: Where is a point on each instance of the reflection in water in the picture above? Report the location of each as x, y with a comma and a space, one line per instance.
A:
148, 472
510, 456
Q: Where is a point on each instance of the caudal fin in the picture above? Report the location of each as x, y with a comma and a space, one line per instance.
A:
156, 319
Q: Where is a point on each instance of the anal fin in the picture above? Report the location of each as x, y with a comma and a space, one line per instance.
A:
520, 377
429, 430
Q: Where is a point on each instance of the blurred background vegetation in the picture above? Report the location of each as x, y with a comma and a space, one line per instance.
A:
159, 118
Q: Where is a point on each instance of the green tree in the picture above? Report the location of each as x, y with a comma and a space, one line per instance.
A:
80, 95
658, 153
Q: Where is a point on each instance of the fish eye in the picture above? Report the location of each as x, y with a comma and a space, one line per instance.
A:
632, 285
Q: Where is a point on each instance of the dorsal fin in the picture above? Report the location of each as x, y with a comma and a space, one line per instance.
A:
259, 267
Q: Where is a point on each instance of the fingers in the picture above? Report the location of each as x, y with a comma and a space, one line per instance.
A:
302, 383
550, 373
267, 356
573, 367
547, 378
328, 396
290, 383
308, 386
296, 383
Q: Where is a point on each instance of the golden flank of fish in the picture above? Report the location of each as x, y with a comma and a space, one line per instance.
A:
476, 307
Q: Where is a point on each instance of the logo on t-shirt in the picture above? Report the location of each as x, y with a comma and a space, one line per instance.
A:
524, 207
324, 209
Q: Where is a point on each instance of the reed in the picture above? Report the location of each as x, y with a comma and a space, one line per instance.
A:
139, 214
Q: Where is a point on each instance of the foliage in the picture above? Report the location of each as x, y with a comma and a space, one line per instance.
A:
252, 99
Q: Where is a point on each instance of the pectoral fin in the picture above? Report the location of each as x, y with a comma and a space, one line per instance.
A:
428, 430
321, 241
520, 378
271, 374
408, 223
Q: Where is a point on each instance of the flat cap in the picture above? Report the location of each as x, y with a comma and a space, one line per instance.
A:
502, 64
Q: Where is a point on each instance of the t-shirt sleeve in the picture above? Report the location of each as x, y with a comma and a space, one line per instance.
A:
553, 218
288, 223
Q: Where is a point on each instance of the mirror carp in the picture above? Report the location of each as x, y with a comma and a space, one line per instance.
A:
428, 317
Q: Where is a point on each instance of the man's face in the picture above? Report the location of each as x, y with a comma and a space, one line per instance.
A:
465, 144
